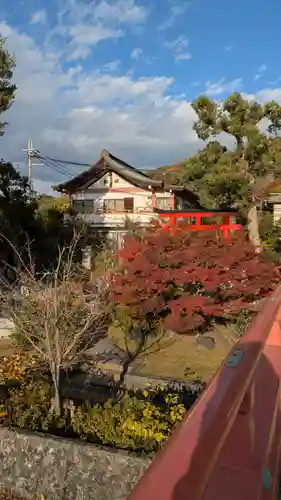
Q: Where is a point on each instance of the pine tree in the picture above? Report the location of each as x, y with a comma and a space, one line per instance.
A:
227, 177
7, 88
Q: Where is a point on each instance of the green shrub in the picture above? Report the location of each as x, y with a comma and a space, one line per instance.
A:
135, 422
270, 233
29, 406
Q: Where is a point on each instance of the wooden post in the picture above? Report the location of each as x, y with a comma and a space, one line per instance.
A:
153, 201
172, 200
226, 228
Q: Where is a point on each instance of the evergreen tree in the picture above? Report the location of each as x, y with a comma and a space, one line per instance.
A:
227, 177
7, 88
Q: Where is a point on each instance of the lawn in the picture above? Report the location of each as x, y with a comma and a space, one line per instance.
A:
180, 356
169, 356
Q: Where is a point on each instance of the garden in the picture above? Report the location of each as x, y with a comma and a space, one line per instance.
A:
161, 289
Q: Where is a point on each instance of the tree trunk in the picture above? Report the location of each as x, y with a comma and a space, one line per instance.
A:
56, 402
253, 227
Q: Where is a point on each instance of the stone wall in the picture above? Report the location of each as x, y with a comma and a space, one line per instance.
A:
33, 465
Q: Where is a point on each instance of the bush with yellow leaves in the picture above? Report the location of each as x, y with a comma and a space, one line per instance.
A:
134, 423
15, 366
139, 422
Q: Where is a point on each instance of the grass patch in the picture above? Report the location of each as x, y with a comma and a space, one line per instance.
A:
179, 356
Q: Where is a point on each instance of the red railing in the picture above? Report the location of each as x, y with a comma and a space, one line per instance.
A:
228, 446
174, 216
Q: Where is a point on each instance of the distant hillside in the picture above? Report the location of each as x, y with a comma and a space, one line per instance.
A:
171, 174
47, 202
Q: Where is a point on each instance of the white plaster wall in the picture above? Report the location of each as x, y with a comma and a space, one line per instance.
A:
165, 194
142, 197
118, 182
104, 182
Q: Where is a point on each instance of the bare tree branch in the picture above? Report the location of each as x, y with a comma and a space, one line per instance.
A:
57, 315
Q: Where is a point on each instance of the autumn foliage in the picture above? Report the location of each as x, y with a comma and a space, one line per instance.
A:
184, 281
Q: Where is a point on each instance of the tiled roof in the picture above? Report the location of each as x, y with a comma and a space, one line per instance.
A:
107, 163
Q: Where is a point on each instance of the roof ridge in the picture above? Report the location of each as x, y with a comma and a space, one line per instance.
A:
111, 162
109, 156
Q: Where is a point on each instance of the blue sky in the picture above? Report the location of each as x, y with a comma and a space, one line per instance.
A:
121, 73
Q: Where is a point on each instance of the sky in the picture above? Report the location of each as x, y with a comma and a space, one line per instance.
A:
121, 74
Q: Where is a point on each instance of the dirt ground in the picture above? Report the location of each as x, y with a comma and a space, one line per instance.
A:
6, 348
8, 495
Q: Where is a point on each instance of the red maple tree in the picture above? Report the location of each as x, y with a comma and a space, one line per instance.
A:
186, 280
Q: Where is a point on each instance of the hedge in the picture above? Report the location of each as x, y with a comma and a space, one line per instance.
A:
139, 422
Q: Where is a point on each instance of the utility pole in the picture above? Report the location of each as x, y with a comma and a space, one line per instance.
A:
30, 151
29, 159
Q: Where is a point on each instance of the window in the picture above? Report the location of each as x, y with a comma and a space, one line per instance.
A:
125, 205
88, 206
114, 205
129, 204
83, 206
163, 203
98, 206
77, 205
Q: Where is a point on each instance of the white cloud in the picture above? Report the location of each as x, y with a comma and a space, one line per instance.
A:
82, 25
228, 48
176, 10
39, 17
269, 95
75, 53
261, 70
222, 86
121, 11
276, 81
136, 53
73, 114
91, 35
111, 66
179, 47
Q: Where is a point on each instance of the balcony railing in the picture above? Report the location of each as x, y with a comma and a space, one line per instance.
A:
117, 219
228, 446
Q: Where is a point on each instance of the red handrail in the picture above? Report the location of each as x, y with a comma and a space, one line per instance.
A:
228, 446
174, 216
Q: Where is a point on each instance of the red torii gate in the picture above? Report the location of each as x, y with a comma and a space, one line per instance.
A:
195, 222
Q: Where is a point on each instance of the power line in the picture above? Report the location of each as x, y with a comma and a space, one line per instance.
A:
69, 162
58, 163
55, 167
54, 164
